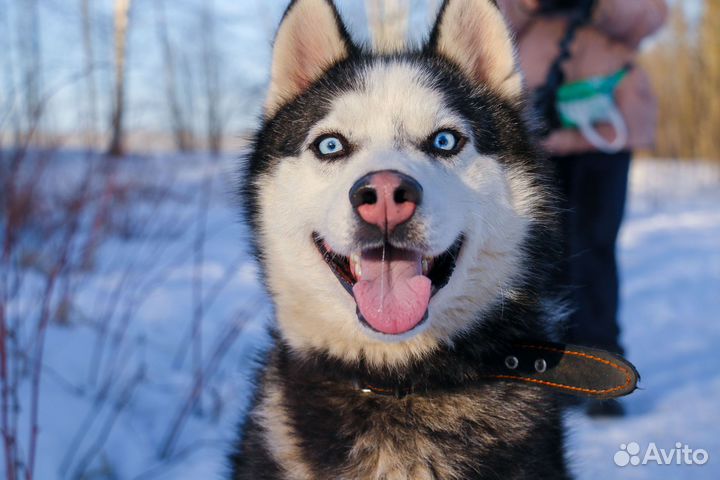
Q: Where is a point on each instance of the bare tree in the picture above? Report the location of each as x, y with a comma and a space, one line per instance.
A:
29, 58
188, 93
211, 70
88, 52
8, 97
122, 23
182, 131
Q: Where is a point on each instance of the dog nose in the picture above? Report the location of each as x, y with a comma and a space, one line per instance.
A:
386, 198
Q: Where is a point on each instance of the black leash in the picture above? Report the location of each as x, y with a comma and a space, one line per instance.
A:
545, 97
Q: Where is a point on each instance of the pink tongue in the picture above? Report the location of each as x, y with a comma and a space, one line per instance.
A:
392, 294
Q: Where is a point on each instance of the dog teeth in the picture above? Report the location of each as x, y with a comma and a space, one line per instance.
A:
355, 259
425, 265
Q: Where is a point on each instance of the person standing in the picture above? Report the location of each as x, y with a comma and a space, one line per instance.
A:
578, 58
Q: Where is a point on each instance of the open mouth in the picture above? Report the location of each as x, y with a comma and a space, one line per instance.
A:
391, 286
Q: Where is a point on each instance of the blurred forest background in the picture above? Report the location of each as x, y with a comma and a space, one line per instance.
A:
124, 75
130, 311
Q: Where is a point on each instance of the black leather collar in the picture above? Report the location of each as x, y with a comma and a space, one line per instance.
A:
570, 369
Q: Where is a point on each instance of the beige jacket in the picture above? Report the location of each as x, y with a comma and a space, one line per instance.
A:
601, 48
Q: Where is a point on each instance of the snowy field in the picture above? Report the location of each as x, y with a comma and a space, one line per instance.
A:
670, 256
147, 374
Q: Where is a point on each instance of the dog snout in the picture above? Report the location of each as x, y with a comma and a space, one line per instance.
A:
386, 198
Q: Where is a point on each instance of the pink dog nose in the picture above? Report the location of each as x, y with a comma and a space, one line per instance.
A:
386, 199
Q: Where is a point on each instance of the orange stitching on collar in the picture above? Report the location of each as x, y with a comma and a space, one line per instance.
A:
560, 385
380, 389
623, 369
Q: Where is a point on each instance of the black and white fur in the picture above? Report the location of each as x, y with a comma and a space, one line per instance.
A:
308, 420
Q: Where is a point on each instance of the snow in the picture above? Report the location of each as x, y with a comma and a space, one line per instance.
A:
670, 253
670, 257
109, 413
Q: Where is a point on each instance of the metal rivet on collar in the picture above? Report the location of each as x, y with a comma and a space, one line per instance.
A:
540, 365
356, 386
512, 362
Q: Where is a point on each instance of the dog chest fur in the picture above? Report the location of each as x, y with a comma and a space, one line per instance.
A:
320, 426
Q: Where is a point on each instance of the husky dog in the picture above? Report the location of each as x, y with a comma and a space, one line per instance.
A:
404, 228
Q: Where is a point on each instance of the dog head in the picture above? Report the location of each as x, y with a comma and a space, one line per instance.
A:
391, 194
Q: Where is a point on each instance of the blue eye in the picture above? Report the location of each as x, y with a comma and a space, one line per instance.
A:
330, 146
445, 141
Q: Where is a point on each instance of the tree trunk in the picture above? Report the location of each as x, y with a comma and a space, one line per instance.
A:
29, 47
122, 20
181, 131
89, 54
211, 68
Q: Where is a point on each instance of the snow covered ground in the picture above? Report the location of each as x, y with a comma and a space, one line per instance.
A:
119, 372
670, 255
116, 403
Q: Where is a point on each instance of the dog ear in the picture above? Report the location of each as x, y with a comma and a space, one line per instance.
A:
473, 35
310, 40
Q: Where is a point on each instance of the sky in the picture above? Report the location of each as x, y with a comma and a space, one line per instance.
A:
244, 35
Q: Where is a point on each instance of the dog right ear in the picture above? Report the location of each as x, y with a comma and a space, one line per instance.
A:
311, 39
473, 35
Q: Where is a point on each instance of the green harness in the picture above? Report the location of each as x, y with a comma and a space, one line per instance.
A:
586, 103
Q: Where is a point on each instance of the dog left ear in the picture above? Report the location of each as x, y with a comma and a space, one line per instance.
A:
473, 35
310, 40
